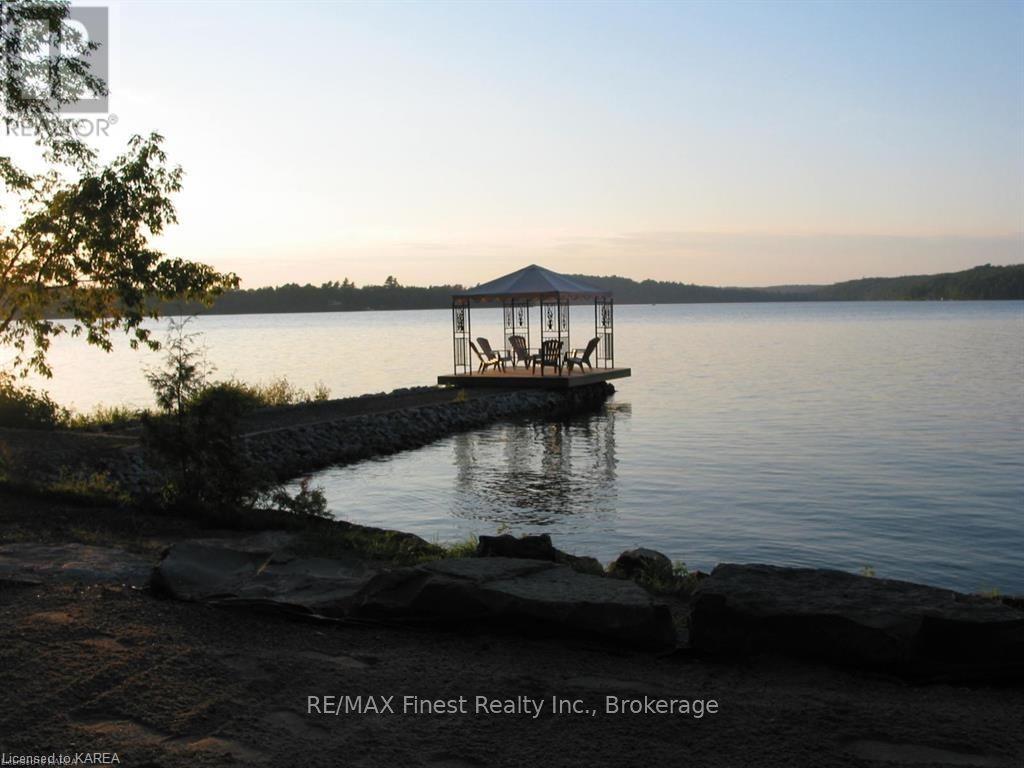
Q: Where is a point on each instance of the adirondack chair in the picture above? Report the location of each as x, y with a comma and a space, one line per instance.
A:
485, 363
501, 355
550, 355
520, 351
582, 356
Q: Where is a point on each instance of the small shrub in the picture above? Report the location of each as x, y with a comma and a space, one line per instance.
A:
868, 571
321, 392
308, 502
196, 441
277, 392
207, 468
665, 581
245, 396
465, 548
25, 408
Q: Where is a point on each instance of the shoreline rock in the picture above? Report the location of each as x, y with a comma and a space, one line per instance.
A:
884, 625
522, 594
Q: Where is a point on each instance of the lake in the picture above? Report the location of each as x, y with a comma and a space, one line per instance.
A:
887, 436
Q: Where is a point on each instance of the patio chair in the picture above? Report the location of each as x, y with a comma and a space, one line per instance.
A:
501, 355
485, 363
520, 351
582, 356
550, 355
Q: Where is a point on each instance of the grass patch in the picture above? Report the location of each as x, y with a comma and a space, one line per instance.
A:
106, 417
277, 392
336, 538
27, 516
677, 581
465, 548
92, 488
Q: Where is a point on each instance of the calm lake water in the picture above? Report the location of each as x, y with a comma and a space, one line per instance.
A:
888, 435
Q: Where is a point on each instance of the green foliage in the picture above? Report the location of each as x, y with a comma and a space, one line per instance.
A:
25, 408
194, 439
674, 581
308, 502
79, 247
465, 548
104, 417
204, 461
277, 392
338, 538
185, 371
868, 571
93, 488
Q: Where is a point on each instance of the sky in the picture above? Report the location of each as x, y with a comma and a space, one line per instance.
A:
718, 143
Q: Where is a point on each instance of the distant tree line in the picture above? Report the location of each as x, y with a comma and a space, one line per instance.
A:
984, 282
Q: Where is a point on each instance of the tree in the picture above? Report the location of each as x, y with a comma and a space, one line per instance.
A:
80, 248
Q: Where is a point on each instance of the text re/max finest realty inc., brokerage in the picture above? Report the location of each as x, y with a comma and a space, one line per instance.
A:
517, 705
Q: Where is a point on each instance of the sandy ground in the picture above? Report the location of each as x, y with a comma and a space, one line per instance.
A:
104, 669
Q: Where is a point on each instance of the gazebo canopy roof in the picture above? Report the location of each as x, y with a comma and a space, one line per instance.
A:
532, 282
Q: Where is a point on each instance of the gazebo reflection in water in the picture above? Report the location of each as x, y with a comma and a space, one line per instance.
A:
536, 306
539, 473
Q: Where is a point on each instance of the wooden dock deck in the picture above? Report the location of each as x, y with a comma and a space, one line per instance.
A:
522, 378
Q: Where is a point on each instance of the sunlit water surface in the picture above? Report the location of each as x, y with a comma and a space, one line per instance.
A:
888, 435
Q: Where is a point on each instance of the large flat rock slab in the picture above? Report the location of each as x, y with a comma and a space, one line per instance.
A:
517, 593
861, 621
32, 563
526, 594
611, 607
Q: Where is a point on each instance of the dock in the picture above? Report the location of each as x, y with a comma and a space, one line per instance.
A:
520, 378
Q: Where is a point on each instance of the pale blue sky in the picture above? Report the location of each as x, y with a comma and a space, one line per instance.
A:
748, 143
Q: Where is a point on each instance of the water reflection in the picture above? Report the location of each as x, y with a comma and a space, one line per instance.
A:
539, 473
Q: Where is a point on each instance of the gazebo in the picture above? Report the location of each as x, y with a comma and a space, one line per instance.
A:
535, 306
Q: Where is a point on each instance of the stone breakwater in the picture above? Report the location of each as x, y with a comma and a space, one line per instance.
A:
290, 441
289, 452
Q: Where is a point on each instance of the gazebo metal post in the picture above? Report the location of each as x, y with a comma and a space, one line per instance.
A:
516, 318
528, 324
461, 331
604, 329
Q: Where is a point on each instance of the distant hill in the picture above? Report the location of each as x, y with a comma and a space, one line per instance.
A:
984, 282
628, 291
